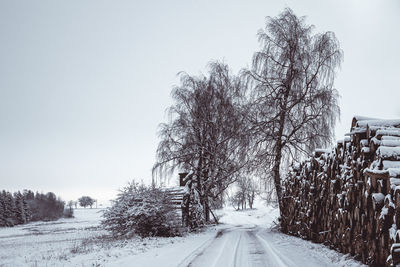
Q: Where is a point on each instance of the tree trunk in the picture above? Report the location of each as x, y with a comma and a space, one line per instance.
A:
276, 173
278, 187
278, 151
206, 209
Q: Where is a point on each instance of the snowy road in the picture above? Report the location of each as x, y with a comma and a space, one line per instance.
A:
238, 246
254, 246
245, 239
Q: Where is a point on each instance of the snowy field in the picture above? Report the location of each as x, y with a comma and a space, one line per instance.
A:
76, 242
244, 239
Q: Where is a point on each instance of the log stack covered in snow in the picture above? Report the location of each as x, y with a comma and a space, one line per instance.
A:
349, 197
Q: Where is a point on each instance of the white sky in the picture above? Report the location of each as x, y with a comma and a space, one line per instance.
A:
84, 84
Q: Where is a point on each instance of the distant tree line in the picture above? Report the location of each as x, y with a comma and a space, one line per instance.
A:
19, 208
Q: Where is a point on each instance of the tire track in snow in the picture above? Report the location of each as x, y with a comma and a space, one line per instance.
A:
224, 250
277, 257
236, 259
220, 253
239, 247
190, 259
187, 261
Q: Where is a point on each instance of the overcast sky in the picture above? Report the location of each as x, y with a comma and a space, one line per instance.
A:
84, 84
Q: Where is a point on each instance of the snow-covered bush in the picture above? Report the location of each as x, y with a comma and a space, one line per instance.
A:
68, 213
141, 210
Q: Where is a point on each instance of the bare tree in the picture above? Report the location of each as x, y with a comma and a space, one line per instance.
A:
247, 189
241, 194
252, 191
205, 134
70, 204
85, 201
294, 104
236, 200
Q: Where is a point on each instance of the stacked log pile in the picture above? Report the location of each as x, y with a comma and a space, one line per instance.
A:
349, 197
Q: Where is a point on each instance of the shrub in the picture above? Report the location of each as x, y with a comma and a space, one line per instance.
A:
68, 213
141, 210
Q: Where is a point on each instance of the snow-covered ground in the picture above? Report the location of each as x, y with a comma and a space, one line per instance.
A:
81, 242
249, 239
262, 215
244, 239
48, 243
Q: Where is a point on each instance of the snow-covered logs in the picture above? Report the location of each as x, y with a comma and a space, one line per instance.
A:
349, 197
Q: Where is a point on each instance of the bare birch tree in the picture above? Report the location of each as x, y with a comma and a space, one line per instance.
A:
294, 102
247, 189
205, 134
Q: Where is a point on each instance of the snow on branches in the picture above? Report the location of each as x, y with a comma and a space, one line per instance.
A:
142, 210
